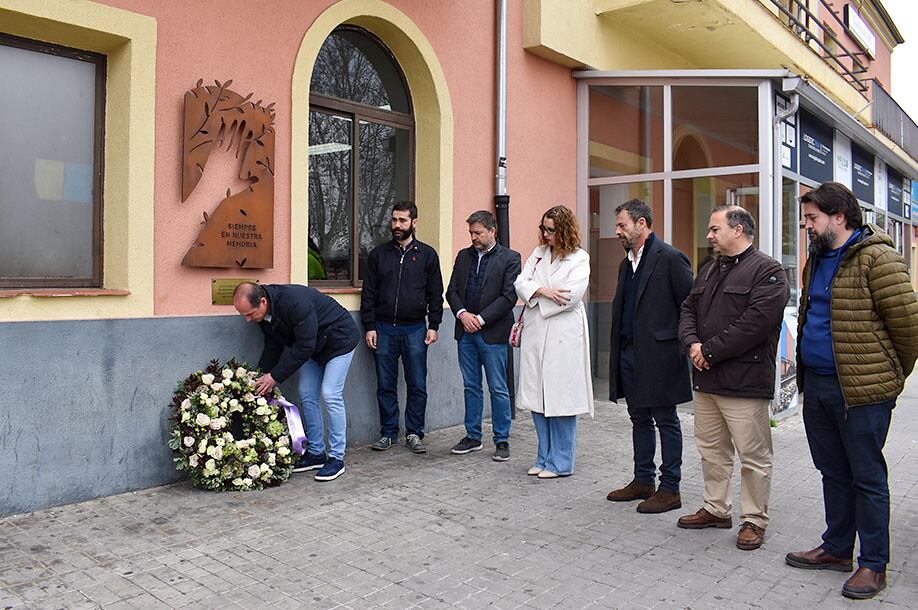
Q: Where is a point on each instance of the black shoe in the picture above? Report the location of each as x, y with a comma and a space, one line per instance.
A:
333, 469
501, 452
309, 461
466, 445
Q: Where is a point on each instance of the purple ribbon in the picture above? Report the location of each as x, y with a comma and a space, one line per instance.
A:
294, 424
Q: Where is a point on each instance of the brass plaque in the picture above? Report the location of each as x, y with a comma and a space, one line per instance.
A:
221, 290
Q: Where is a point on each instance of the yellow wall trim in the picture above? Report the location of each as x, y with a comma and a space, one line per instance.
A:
129, 42
433, 116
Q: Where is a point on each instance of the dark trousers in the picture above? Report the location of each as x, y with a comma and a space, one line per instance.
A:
847, 448
405, 342
644, 436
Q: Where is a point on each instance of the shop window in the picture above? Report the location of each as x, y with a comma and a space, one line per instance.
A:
724, 120
51, 165
693, 200
626, 130
361, 153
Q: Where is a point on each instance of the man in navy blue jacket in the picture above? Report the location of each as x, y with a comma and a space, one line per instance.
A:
482, 296
320, 338
401, 307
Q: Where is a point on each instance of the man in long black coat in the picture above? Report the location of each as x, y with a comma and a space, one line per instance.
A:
647, 366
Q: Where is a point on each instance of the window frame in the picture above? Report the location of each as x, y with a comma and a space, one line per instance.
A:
356, 113
100, 62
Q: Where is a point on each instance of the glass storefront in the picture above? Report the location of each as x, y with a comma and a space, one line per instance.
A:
685, 145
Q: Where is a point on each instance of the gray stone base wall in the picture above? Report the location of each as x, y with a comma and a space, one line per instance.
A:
84, 405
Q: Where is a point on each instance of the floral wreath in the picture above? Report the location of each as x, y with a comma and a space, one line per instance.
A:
225, 436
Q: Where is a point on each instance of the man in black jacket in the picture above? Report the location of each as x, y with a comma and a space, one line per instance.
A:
647, 366
402, 286
320, 338
482, 295
729, 328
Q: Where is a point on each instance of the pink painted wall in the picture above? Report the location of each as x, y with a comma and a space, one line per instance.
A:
231, 39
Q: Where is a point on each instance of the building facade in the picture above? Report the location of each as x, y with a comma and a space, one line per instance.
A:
359, 103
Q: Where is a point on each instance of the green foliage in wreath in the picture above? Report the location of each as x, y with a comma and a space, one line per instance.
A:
205, 407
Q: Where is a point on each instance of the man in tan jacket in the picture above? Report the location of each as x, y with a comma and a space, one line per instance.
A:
858, 330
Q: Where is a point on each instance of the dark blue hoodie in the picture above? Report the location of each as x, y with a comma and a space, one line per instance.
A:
816, 343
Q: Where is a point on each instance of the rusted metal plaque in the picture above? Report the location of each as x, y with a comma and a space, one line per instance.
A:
221, 289
240, 231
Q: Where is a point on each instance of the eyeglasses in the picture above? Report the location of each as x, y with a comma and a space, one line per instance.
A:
549, 230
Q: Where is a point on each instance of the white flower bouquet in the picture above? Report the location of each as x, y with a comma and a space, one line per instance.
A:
208, 406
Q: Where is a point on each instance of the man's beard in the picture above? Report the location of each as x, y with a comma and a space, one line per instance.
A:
627, 244
821, 243
399, 235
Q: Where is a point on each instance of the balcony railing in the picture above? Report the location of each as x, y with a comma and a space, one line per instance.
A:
821, 35
888, 117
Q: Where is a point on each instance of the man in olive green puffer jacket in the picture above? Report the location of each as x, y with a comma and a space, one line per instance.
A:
858, 341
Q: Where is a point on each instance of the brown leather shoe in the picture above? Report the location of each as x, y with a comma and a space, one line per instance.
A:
750, 536
818, 559
660, 502
703, 519
864, 584
632, 491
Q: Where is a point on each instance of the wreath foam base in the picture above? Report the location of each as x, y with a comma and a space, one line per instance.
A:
225, 436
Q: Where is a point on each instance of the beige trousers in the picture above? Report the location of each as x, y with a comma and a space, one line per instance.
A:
723, 423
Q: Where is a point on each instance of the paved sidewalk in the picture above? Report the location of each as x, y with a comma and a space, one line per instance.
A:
400, 530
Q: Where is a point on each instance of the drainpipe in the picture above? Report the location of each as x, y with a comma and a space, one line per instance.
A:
501, 198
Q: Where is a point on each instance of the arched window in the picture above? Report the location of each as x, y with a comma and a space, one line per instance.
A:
361, 153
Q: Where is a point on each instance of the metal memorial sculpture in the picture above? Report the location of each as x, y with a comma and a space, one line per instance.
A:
240, 232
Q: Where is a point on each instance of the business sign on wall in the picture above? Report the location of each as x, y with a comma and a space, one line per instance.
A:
842, 159
894, 191
914, 199
862, 173
788, 134
816, 159
879, 184
860, 31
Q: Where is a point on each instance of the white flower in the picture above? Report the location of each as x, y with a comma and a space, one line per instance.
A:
240, 373
272, 459
193, 461
247, 481
217, 387
254, 471
283, 452
218, 453
261, 410
220, 442
210, 468
248, 397
202, 446
185, 416
266, 441
237, 482
240, 445
284, 440
205, 397
207, 379
202, 419
216, 424
227, 374
189, 441
186, 404
261, 401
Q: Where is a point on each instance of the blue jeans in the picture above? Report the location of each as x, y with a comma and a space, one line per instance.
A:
405, 342
557, 442
644, 438
847, 448
474, 353
326, 381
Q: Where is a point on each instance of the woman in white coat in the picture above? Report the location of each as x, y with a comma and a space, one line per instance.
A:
555, 377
